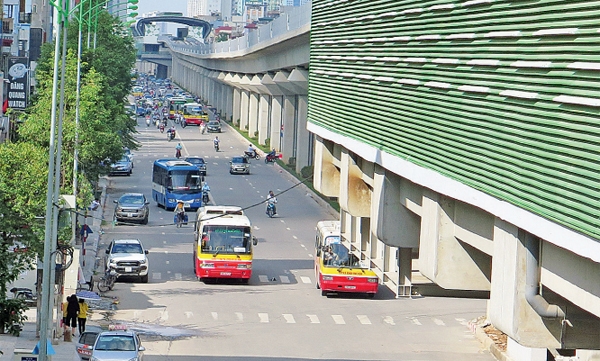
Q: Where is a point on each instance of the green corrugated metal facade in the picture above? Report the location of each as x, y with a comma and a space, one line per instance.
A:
503, 96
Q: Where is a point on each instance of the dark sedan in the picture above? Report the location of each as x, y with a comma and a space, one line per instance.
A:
198, 162
214, 126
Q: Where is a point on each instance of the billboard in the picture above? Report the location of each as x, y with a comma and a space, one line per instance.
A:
18, 86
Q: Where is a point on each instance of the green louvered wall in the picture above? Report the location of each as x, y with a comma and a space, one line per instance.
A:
500, 95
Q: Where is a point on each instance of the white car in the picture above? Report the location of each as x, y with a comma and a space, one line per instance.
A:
128, 258
117, 346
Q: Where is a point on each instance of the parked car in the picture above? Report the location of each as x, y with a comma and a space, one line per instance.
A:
128, 258
85, 344
118, 346
123, 166
132, 207
213, 126
198, 162
239, 165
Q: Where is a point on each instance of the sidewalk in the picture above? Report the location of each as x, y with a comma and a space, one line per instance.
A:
64, 350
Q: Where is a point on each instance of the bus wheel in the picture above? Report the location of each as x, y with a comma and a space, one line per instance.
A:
324, 293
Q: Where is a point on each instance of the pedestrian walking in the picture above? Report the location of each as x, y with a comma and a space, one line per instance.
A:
82, 315
72, 311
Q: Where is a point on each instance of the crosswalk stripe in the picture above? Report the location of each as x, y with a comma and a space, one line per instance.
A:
313, 319
305, 279
363, 319
178, 276
289, 318
240, 316
389, 320
416, 322
284, 279
439, 322
338, 319
462, 321
264, 317
214, 315
156, 275
189, 314
263, 278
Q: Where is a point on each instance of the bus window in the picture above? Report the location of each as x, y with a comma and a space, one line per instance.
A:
184, 180
225, 239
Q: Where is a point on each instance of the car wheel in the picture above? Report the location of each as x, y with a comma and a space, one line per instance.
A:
144, 279
145, 221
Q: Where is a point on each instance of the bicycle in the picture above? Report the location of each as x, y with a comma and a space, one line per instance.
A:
107, 282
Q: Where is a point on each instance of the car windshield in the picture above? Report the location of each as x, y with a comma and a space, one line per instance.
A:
225, 239
238, 160
195, 160
213, 122
127, 248
131, 199
115, 343
124, 159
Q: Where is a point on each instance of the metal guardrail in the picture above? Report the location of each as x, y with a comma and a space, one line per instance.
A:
294, 18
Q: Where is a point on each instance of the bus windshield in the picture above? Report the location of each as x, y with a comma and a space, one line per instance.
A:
193, 110
336, 255
184, 180
221, 239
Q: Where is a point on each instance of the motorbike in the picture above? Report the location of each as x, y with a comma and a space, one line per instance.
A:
107, 282
180, 219
270, 158
147, 121
271, 210
161, 127
178, 153
203, 128
252, 154
170, 135
205, 198
216, 145
25, 294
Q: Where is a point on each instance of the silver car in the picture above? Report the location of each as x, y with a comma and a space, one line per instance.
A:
118, 346
239, 165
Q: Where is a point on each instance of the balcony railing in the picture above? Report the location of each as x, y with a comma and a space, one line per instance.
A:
25, 18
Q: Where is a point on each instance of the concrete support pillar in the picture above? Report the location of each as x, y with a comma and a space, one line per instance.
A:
236, 106
228, 102
263, 118
288, 146
276, 122
508, 308
244, 113
404, 272
253, 115
304, 148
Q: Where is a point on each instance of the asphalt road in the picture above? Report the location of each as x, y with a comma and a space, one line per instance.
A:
280, 315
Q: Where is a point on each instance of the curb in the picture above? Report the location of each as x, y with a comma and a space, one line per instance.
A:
475, 326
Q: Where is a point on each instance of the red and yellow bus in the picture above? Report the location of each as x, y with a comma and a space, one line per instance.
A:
337, 270
176, 106
223, 246
193, 114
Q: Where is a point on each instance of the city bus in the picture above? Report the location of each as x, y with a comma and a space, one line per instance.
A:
176, 106
223, 244
337, 270
193, 114
175, 180
137, 91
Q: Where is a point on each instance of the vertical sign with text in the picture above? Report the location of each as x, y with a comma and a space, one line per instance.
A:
18, 82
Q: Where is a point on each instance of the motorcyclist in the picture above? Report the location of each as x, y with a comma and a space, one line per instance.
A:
205, 187
216, 142
202, 126
178, 148
171, 132
272, 154
251, 151
271, 199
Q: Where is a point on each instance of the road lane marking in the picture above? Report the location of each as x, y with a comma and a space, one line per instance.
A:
363, 319
214, 315
156, 275
240, 316
282, 221
189, 314
310, 255
289, 318
178, 276
462, 321
263, 278
264, 317
167, 262
288, 228
305, 279
416, 322
303, 246
389, 320
313, 319
438, 322
284, 279
295, 237
338, 319
164, 242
